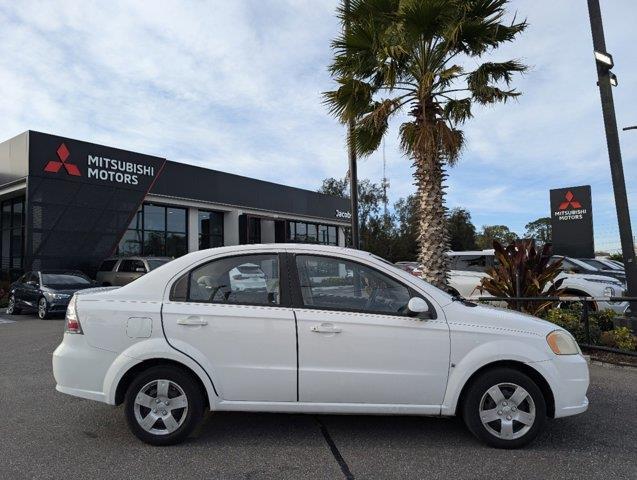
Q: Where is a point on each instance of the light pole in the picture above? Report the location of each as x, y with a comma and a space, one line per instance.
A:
605, 80
353, 174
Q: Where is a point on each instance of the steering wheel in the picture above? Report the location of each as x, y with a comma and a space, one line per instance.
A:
372, 299
224, 290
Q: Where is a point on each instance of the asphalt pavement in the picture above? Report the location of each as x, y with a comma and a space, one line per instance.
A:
48, 435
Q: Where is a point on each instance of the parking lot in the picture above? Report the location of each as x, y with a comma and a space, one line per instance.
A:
44, 434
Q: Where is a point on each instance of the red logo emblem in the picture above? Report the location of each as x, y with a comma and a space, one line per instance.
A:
570, 202
63, 154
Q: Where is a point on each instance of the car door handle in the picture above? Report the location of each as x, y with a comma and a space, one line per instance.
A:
192, 320
325, 328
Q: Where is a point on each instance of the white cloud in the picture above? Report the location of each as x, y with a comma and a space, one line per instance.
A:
237, 86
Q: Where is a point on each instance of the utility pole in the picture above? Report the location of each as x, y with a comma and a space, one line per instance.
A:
353, 174
605, 80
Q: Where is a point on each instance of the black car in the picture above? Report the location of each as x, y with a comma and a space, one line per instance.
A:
48, 291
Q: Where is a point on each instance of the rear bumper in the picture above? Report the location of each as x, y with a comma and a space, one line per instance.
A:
568, 378
80, 369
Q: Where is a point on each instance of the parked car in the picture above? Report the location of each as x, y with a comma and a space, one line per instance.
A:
342, 331
121, 271
48, 291
575, 265
588, 284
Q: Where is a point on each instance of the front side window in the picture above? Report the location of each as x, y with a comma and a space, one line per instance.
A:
339, 284
246, 279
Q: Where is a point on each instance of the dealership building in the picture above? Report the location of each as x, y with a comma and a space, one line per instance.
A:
70, 204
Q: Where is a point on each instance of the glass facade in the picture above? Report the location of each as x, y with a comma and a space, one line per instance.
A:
11, 238
304, 232
210, 229
156, 230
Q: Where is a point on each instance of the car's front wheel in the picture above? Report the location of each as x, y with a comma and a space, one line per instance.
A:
12, 309
163, 405
43, 309
504, 408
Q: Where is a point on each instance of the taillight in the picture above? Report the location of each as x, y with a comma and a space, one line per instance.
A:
72, 321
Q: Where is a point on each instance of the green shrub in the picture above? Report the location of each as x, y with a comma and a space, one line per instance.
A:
604, 319
620, 337
569, 319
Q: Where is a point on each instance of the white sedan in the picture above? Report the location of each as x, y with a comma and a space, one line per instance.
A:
331, 330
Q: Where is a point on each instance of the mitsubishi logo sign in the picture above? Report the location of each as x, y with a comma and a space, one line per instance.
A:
54, 166
572, 221
570, 202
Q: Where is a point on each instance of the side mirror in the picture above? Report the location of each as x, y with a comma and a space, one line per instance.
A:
416, 306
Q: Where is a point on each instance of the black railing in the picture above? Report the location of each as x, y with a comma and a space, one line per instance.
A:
585, 301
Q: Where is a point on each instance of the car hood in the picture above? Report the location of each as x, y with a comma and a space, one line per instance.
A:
500, 318
585, 276
66, 290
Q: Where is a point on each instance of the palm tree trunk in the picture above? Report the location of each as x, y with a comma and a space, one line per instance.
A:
433, 240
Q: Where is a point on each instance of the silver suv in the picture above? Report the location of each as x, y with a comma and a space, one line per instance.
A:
120, 271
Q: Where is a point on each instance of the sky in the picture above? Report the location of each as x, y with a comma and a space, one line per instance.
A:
236, 86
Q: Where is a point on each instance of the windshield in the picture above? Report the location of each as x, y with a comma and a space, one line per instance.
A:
155, 263
70, 278
595, 263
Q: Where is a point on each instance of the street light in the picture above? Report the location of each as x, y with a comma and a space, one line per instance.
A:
605, 80
634, 127
605, 59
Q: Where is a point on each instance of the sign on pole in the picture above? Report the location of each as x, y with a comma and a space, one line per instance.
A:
572, 222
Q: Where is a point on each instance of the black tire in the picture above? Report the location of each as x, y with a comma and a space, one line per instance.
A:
11, 307
508, 379
43, 314
191, 415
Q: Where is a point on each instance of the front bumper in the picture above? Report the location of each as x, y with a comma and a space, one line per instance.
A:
568, 378
79, 369
617, 307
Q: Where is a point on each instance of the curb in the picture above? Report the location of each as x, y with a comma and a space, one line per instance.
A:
623, 366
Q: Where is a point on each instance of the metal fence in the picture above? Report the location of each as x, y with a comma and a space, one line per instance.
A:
516, 303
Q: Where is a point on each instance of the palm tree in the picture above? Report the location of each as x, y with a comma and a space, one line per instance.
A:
410, 56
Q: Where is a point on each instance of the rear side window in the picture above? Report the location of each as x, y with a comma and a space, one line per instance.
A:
130, 266
107, 265
243, 280
470, 263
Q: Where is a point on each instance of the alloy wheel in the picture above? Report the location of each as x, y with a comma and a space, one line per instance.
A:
11, 305
507, 411
42, 308
160, 407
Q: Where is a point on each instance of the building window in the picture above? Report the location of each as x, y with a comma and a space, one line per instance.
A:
210, 229
11, 238
156, 230
304, 232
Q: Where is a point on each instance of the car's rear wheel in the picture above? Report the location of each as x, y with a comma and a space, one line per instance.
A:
504, 408
43, 309
12, 309
163, 405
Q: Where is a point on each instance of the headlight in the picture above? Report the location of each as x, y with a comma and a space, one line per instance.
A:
56, 296
562, 343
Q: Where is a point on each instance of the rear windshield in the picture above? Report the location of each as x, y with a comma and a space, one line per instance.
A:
64, 279
155, 263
